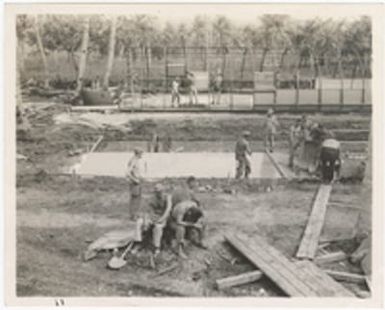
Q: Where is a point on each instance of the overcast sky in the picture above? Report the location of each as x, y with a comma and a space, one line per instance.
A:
239, 14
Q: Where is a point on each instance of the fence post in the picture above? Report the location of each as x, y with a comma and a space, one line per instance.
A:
232, 92
363, 91
319, 92
341, 92
165, 51
297, 80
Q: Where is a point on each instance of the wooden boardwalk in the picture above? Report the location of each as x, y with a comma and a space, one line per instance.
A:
310, 239
295, 280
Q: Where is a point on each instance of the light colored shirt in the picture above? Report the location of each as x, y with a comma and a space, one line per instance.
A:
175, 86
135, 169
271, 124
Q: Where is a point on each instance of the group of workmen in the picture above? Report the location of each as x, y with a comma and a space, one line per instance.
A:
182, 213
320, 149
179, 211
216, 82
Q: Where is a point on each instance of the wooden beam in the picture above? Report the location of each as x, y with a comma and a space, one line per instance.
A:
346, 276
330, 257
273, 264
276, 165
301, 278
243, 278
325, 284
310, 239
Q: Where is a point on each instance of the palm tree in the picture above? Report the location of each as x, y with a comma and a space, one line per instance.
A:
41, 50
200, 36
271, 34
84, 52
222, 28
146, 32
183, 37
111, 51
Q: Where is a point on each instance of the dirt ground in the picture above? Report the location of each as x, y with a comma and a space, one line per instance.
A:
57, 216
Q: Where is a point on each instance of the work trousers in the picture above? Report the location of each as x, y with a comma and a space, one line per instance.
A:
175, 96
329, 163
294, 145
157, 232
243, 168
269, 141
135, 200
193, 94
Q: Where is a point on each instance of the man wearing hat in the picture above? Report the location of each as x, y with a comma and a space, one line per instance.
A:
134, 175
242, 153
270, 129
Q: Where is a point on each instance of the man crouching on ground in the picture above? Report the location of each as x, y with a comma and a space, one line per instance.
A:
158, 213
187, 221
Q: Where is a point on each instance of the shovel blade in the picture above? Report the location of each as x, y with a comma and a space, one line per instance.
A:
116, 263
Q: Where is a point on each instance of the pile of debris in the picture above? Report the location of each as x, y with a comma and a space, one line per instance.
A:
308, 274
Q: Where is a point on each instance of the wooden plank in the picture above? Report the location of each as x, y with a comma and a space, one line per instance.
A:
243, 278
308, 276
276, 165
309, 242
324, 280
346, 276
330, 257
274, 265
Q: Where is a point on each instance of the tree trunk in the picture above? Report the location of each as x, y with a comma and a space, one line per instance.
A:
282, 60
42, 52
262, 64
111, 52
368, 168
21, 55
74, 63
130, 72
185, 54
206, 64
83, 55
243, 63
223, 61
148, 64
354, 73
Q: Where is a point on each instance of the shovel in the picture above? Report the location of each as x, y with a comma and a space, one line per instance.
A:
117, 262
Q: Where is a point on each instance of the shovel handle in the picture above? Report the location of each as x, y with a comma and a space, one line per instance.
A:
129, 246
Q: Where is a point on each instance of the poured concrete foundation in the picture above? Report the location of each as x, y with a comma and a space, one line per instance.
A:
176, 165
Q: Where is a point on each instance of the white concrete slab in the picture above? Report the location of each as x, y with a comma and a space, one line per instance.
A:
163, 165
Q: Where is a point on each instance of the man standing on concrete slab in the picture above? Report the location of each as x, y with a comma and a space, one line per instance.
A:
187, 222
242, 153
134, 175
270, 130
330, 160
217, 87
193, 91
295, 141
175, 96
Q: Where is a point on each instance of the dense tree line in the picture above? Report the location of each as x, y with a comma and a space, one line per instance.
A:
319, 43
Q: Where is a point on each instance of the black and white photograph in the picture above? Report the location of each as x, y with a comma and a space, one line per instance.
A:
182, 150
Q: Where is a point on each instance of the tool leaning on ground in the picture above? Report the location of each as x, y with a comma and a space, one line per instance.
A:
117, 262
